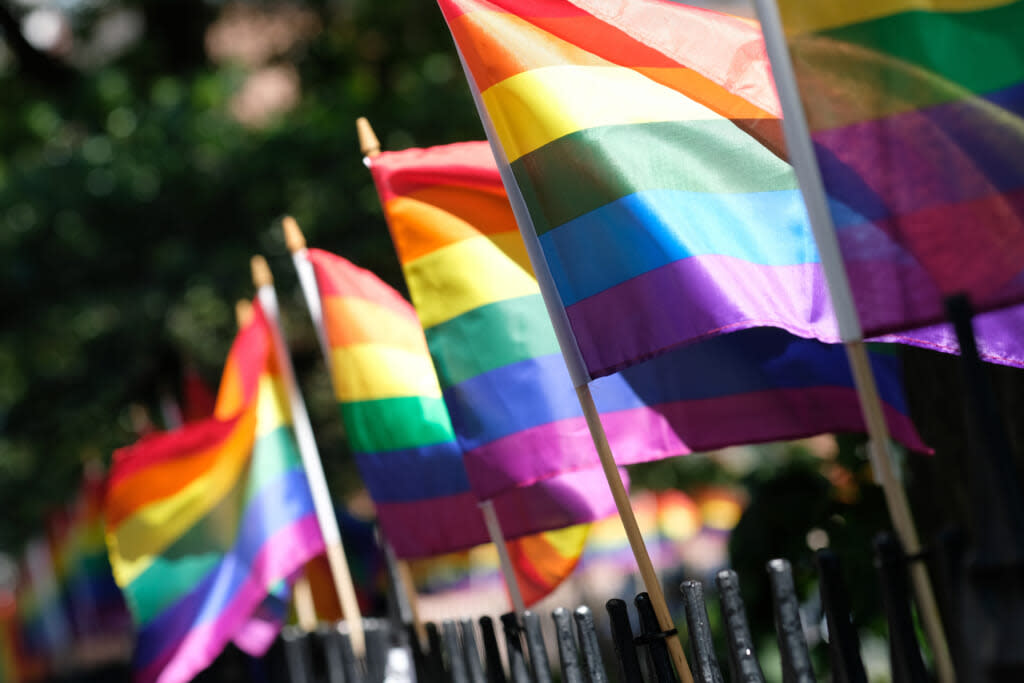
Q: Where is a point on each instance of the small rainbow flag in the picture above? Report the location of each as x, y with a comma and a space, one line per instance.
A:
542, 561
641, 146
915, 109
205, 525
399, 429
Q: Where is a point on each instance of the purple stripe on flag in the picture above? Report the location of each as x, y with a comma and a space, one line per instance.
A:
645, 434
684, 302
433, 526
553, 503
561, 501
998, 332
282, 554
783, 414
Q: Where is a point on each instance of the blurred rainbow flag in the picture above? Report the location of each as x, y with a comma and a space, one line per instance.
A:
205, 525
98, 609
915, 111
399, 429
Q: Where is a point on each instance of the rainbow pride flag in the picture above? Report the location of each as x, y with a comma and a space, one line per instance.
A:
540, 562
98, 609
641, 146
511, 399
401, 434
206, 524
513, 407
915, 110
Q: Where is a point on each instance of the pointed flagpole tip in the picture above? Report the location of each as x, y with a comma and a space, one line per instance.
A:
368, 142
243, 312
293, 237
260, 272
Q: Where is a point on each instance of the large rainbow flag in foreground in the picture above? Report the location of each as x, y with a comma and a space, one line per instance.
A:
915, 110
405, 448
505, 383
640, 144
205, 525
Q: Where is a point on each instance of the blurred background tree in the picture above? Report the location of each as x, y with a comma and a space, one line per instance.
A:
149, 149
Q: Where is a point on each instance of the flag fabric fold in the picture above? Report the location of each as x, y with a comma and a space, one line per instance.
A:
643, 143
206, 525
400, 432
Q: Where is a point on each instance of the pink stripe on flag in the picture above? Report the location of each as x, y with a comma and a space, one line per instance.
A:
433, 526
283, 553
639, 435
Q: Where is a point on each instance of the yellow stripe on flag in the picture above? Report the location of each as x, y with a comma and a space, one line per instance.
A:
154, 527
352, 320
811, 16
271, 405
534, 108
466, 275
396, 373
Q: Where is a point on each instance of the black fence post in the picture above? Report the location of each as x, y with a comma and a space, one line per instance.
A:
622, 638
568, 655
654, 639
796, 660
518, 673
705, 662
539, 662
298, 658
492, 655
743, 663
843, 642
474, 670
904, 651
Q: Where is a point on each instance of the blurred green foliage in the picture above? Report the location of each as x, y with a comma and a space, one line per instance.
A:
131, 199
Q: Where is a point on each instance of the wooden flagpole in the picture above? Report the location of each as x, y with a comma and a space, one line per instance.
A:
498, 539
636, 540
264, 282
302, 594
805, 163
296, 243
581, 380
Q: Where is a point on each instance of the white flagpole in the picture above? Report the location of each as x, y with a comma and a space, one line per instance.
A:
311, 461
370, 147
498, 539
805, 164
580, 377
302, 593
296, 243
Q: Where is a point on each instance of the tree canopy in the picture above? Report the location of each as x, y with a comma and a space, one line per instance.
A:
149, 149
